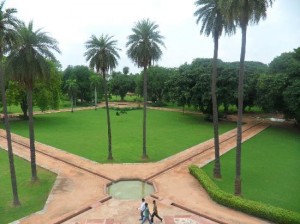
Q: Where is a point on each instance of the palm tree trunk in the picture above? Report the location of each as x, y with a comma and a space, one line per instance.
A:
110, 156
95, 93
72, 104
145, 156
238, 181
217, 167
31, 138
13, 178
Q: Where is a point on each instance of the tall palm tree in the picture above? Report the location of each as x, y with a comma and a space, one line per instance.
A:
72, 87
212, 23
144, 48
27, 64
243, 12
8, 38
103, 54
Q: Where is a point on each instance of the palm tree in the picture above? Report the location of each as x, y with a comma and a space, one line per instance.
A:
213, 23
102, 54
27, 64
144, 48
243, 12
72, 87
8, 38
95, 82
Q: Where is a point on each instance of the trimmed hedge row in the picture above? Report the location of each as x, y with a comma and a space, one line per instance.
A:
268, 212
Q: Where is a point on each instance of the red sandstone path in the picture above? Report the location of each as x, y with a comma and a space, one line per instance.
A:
79, 194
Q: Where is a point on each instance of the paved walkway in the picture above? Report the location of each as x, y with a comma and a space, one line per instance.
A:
79, 195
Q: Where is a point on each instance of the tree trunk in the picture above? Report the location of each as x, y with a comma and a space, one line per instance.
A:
217, 167
145, 156
16, 201
238, 180
72, 104
31, 138
110, 156
95, 93
24, 107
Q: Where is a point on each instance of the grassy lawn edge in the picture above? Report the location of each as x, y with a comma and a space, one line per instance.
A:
33, 196
261, 210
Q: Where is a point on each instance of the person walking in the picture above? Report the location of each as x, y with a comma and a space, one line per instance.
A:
142, 208
155, 212
146, 214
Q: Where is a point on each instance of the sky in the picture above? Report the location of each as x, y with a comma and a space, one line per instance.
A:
73, 22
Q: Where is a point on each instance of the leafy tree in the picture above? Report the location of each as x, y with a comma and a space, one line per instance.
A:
213, 23
102, 54
179, 86
95, 81
243, 12
47, 93
82, 75
270, 89
72, 87
121, 84
283, 86
227, 86
144, 48
27, 63
8, 37
125, 70
291, 96
156, 86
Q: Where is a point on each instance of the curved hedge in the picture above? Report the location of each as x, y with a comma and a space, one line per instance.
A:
268, 212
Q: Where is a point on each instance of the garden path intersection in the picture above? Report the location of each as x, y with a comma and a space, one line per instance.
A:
79, 195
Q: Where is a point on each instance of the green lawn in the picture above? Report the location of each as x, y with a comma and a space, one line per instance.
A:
84, 133
32, 196
270, 168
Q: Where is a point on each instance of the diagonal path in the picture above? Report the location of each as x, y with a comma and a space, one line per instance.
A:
79, 194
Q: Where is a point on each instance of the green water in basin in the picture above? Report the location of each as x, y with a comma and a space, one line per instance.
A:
130, 189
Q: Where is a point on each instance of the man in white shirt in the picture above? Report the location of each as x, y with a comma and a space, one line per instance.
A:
142, 208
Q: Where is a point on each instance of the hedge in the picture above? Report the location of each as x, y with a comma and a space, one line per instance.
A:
261, 210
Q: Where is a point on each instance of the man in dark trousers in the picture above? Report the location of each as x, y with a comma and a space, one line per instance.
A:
155, 212
142, 208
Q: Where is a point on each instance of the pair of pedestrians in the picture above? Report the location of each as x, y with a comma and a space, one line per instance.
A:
145, 213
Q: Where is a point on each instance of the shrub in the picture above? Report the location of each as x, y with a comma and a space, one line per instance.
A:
258, 209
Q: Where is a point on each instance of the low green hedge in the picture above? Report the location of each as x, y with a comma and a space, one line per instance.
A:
268, 212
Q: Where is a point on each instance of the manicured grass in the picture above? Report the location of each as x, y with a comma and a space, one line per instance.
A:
85, 133
32, 196
270, 168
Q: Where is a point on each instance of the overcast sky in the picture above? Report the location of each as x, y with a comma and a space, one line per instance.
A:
72, 23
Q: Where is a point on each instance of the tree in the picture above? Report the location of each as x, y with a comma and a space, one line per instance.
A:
8, 38
156, 82
243, 12
102, 55
213, 23
121, 84
72, 87
27, 63
46, 93
125, 70
95, 83
144, 47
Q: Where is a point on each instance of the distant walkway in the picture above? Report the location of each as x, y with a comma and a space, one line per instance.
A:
79, 195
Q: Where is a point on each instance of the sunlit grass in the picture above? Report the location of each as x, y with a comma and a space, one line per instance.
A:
32, 196
85, 133
270, 168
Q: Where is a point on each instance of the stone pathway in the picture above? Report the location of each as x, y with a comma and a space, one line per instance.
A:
79, 195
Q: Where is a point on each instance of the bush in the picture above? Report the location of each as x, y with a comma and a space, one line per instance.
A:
271, 213
158, 104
